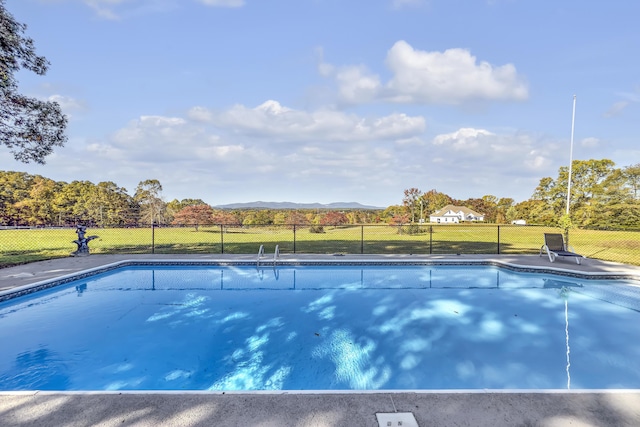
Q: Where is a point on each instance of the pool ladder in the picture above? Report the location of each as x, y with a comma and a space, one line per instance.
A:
276, 255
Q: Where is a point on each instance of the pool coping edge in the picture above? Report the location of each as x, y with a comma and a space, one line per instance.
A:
19, 291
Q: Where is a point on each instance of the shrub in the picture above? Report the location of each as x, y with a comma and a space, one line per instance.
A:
413, 229
316, 229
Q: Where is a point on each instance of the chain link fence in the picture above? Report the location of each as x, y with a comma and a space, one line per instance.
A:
19, 245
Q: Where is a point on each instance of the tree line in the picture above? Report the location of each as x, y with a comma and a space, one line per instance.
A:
602, 196
33, 200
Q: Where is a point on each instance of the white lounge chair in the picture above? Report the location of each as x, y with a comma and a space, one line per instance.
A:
555, 247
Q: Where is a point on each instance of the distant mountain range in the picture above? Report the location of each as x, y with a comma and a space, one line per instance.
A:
290, 205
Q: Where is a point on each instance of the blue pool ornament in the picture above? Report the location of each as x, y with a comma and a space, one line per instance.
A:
82, 242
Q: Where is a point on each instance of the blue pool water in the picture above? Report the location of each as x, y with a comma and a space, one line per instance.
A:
322, 328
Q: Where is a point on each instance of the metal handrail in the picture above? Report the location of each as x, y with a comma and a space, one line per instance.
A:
260, 254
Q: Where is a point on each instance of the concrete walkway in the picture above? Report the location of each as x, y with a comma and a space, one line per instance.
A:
319, 410
431, 409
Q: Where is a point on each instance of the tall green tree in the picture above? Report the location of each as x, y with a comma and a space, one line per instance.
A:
550, 200
258, 217
632, 177
14, 187
73, 203
589, 180
538, 212
433, 200
149, 196
601, 196
411, 201
502, 210
485, 206
29, 127
393, 211
38, 208
110, 205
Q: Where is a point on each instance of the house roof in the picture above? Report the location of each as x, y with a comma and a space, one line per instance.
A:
465, 211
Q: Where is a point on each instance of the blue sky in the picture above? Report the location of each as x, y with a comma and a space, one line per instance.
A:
334, 100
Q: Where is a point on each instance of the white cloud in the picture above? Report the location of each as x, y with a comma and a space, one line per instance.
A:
223, 3
67, 103
629, 98
273, 120
154, 139
239, 153
462, 139
472, 162
106, 8
616, 109
200, 114
450, 77
399, 4
272, 151
488, 153
117, 9
357, 85
324, 69
182, 154
590, 142
413, 141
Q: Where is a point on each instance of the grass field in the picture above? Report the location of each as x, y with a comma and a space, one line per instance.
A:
26, 245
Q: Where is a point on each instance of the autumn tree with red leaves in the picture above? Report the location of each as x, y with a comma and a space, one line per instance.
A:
194, 215
334, 218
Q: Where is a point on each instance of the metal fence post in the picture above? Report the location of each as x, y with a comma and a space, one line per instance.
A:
221, 238
294, 238
498, 240
153, 238
430, 239
361, 239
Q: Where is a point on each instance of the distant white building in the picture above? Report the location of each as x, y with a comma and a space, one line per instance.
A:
454, 214
519, 222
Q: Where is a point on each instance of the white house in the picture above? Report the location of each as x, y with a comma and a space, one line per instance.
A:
454, 214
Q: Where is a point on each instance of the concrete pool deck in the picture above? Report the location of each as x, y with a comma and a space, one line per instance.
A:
430, 408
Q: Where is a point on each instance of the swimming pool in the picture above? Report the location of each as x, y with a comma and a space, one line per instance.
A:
347, 327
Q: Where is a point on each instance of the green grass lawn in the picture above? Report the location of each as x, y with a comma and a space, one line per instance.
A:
19, 246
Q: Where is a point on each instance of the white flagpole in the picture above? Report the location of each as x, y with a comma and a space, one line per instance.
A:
573, 120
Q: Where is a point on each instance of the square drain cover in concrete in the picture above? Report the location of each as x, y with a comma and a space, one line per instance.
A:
395, 419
